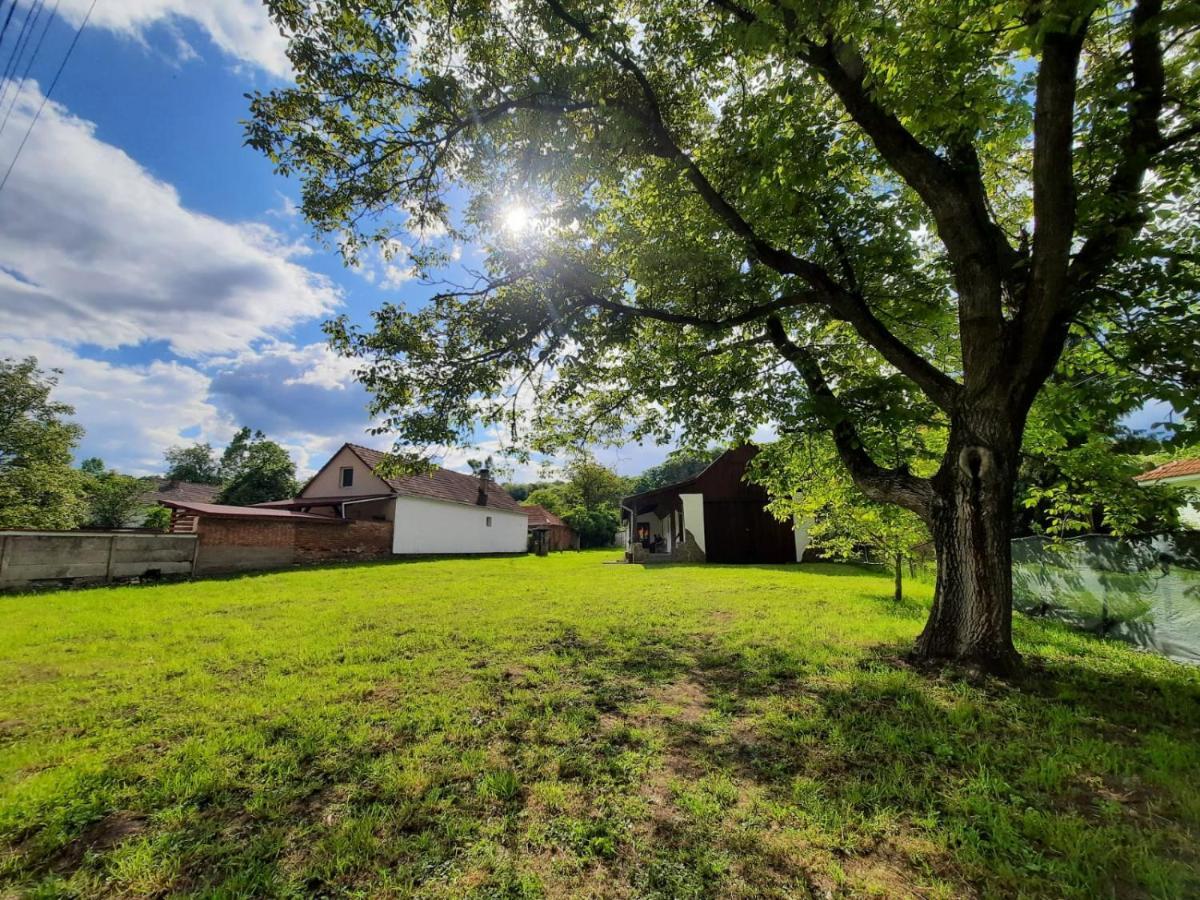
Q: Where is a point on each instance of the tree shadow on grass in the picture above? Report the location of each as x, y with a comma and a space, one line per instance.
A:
760, 773
1072, 780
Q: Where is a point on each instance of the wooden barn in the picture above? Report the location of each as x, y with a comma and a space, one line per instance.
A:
548, 532
716, 516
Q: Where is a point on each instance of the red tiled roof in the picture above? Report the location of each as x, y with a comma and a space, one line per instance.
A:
540, 517
1174, 469
440, 484
217, 510
183, 491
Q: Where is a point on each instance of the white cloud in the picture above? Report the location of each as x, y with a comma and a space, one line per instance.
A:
301, 396
240, 28
130, 413
305, 397
95, 249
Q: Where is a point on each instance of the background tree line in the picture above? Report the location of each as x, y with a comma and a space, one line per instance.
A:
1075, 476
40, 488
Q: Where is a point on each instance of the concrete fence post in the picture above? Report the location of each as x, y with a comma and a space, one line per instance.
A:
3, 556
195, 550
112, 545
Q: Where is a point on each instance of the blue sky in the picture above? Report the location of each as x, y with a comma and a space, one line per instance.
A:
158, 262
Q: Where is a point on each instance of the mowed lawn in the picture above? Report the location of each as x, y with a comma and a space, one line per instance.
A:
560, 727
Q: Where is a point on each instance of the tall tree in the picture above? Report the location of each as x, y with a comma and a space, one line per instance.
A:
38, 487
237, 452
113, 500
679, 466
264, 471
707, 214
196, 464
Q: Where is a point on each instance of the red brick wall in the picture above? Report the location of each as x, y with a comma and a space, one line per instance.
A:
246, 533
231, 545
354, 540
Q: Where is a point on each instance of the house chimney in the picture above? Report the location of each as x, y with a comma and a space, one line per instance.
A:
484, 477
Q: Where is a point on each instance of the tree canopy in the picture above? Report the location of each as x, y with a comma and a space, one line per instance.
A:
588, 500
38, 487
705, 215
114, 500
196, 463
255, 470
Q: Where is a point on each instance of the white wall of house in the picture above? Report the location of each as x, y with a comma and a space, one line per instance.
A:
693, 517
800, 531
328, 482
433, 526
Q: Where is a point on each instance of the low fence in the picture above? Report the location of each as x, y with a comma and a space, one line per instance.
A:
37, 558
1144, 590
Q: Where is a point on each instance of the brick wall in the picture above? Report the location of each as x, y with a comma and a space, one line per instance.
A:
354, 540
246, 532
238, 545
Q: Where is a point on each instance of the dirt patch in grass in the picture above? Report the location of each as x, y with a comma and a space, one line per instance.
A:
99, 837
675, 709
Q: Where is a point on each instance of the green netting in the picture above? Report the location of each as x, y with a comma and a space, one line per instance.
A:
1144, 590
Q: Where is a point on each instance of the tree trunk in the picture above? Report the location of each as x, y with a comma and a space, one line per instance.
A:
898, 596
971, 619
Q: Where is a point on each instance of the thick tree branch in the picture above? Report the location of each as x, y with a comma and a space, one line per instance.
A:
844, 304
1043, 312
752, 314
840, 304
1143, 140
897, 486
1053, 172
952, 189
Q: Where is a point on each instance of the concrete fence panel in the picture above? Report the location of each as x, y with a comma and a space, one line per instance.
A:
33, 559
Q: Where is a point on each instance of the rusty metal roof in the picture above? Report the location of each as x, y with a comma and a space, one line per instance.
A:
217, 510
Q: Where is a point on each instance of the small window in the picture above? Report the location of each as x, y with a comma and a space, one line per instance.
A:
348, 477
489, 521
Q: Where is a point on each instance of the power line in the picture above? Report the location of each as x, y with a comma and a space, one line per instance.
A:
11, 66
23, 41
28, 66
4, 29
46, 96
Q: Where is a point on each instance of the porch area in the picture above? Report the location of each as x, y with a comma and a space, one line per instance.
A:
660, 526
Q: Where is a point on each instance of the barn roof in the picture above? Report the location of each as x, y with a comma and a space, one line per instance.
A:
741, 454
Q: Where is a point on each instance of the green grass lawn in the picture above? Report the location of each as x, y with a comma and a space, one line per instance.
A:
559, 727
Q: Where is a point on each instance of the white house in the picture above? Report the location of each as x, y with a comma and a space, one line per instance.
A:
438, 512
1183, 473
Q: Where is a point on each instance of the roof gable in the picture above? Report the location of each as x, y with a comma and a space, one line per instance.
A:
441, 484
723, 477
347, 450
